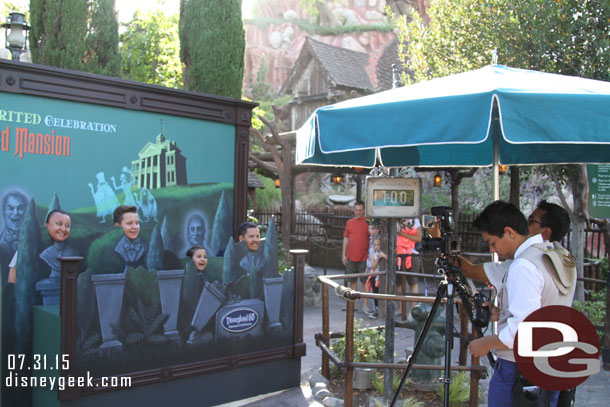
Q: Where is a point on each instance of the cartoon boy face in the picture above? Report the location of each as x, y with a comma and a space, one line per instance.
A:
130, 223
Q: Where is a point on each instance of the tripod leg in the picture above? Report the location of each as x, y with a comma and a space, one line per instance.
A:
440, 293
446, 378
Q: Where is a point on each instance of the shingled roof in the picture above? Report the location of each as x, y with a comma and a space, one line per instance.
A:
254, 181
344, 67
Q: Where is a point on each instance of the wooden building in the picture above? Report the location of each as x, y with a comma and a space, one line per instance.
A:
324, 74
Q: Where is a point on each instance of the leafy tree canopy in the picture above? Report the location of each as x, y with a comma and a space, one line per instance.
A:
150, 49
569, 37
212, 45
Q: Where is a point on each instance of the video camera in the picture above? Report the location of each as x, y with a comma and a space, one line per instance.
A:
446, 244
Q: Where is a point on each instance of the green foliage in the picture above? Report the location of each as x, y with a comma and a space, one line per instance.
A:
101, 257
230, 271
315, 29
191, 290
459, 391
212, 45
86, 315
268, 198
222, 228
569, 37
143, 285
102, 41
75, 34
166, 233
594, 309
143, 325
154, 258
150, 49
261, 89
480, 185
378, 384
604, 268
29, 271
7, 6
265, 109
58, 30
369, 344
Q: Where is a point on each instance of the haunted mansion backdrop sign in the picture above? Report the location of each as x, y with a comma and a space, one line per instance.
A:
69, 158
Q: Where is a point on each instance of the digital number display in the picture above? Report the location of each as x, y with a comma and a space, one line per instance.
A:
393, 197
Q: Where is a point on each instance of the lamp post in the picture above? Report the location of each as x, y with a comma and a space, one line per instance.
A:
16, 34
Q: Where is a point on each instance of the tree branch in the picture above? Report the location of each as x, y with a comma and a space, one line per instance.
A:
274, 133
272, 150
263, 164
562, 197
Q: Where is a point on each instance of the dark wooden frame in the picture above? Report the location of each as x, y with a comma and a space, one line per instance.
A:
44, 81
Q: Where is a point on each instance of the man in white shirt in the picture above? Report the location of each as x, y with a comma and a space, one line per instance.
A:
526, 287
548, 219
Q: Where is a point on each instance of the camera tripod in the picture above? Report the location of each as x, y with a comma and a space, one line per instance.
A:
446, 289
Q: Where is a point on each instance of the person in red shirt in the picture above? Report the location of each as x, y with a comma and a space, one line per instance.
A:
356, 245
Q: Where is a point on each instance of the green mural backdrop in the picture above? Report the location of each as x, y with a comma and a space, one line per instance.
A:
131, 192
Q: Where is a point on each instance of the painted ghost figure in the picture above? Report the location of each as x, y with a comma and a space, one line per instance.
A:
104, 197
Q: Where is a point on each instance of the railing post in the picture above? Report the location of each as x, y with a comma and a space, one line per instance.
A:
348, 397
67, 309
299, 271
325, 330
474, 375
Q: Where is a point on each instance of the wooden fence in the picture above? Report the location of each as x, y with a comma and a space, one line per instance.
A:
330, 224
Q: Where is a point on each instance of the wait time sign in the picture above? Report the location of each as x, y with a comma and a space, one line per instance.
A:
599, 190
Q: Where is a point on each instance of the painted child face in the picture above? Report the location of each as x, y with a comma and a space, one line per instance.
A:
59, 226
373, 231
130, 225
200, 259
376, 245
252, 238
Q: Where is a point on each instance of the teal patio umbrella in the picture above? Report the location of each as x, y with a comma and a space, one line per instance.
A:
491, 115
484, 117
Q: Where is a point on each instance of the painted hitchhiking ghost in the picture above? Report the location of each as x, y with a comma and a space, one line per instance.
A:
104, 197
127, 180
58, 225
14, 204
13, 210
148, 205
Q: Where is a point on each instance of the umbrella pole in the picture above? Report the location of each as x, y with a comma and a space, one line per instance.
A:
390, 288
496, 166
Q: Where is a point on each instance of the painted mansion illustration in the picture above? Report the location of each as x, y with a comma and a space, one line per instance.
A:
160, 164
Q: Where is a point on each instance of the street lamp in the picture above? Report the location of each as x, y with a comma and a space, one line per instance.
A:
16, 40
336, 179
